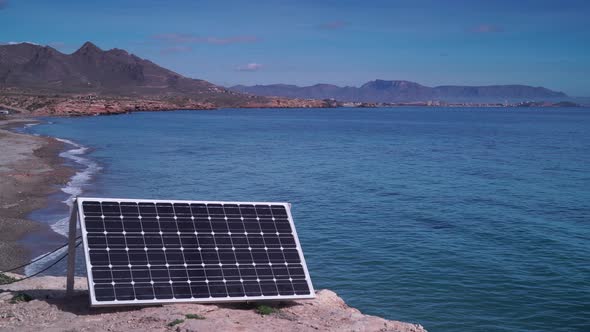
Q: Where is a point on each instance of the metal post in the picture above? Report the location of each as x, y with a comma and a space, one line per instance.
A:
72, 249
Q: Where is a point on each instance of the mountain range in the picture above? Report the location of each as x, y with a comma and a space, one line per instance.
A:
40, 79
90, 69
384, 91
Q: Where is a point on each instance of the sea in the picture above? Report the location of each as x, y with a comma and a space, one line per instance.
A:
459, 219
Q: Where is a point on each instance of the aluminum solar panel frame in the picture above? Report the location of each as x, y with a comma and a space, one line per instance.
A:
142, 251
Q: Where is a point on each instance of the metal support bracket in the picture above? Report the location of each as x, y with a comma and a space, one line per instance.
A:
72, 249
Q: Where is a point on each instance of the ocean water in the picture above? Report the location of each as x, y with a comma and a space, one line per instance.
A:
457, 219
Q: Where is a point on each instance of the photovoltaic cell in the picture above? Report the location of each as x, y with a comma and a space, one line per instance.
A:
140, 251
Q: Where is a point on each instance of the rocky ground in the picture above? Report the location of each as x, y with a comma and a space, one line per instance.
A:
40, 304
89, 104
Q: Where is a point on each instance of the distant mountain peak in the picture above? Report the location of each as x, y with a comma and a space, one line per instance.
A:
90, 45
88, 48
324, 85
387, 84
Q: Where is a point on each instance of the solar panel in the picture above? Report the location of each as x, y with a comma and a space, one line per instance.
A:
146, 251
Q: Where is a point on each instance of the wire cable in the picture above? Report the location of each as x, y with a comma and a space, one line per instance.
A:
38, 258
43, 270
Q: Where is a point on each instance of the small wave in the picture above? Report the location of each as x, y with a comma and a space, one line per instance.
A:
28, 126
76, 184
73, 189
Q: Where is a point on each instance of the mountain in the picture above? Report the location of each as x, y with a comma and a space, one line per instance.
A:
44, 81
402, 91
91, 69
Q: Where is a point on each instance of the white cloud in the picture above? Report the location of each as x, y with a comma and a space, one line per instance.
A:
253, 66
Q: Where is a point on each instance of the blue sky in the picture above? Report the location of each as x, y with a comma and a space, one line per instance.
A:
344, 42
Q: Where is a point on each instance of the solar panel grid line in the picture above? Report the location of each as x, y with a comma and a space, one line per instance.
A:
282, 253
143, 278
236, 256
265, 246
108, 257
184, 260
217, 285
175, 275
117, 287
128, 260
237, 290
161, 287
85, 244
252, 284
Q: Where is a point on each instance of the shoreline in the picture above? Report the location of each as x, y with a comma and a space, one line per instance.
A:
31, 170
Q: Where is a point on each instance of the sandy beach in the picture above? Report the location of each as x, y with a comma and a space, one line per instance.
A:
30, 170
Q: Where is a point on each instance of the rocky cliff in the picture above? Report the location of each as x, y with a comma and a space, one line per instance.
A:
39, 304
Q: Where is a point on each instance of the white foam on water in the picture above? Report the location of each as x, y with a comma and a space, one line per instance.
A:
76, 184
44, 262
29, 125
73, 189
